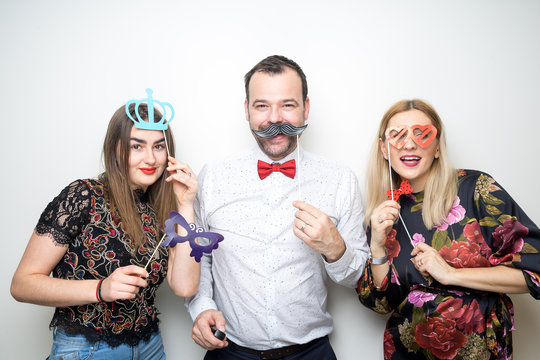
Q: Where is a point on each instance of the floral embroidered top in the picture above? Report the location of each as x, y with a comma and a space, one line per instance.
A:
80, 218
484, 228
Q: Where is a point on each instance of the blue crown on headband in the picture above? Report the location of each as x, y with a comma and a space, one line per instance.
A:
162, 124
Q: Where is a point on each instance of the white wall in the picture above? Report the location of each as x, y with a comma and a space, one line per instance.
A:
67, 65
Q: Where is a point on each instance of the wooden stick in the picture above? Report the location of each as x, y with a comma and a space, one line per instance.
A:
166, 144
392, 190
157, 247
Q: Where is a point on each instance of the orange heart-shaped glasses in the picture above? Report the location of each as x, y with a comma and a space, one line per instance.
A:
423, 135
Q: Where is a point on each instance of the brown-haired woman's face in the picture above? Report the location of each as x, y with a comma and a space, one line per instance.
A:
412, 161
147, 157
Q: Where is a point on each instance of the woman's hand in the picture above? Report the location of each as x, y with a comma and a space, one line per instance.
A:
382, 219
184, 272
184, 182
123, 283
499, 279
428, 261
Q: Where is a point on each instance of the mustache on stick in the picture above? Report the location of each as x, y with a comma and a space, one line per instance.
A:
276, 129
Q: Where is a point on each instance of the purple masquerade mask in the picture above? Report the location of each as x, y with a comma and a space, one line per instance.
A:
193, 232
276, 129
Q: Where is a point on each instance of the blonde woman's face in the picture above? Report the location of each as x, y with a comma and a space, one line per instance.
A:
411, 161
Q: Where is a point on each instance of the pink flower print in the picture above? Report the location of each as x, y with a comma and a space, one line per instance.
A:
389, 348
451, 309
457, 213
509, 238
473, 233
417, 238
534, 277
394, 279
418, 298
472, 320
458, 293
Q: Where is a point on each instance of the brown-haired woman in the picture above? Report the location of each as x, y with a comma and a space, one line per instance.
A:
445, 249
96, 238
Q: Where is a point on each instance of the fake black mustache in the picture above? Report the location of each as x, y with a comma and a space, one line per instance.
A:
276, 129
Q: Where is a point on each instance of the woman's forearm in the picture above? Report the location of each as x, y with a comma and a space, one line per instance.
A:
499, 279
41, 289
184, 272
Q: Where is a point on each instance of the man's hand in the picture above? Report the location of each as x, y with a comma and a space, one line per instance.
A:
203, 335
317, 230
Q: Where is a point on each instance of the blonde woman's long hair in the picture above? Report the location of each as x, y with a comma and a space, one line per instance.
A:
441, 186
116, 150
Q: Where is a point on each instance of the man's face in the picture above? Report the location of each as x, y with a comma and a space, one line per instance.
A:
276, 98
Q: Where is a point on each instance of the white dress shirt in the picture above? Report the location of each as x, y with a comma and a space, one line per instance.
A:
271, 286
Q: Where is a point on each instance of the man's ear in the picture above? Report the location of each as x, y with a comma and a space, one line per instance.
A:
306, 109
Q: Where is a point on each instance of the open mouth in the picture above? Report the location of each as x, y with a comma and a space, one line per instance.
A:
410, 160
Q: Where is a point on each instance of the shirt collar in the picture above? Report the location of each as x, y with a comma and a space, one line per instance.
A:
260, 155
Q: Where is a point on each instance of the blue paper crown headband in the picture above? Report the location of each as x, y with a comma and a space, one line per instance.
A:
162, 124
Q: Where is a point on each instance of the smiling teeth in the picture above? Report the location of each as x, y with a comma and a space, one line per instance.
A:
410, 158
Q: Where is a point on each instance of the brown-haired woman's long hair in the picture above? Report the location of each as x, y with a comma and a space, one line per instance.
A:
441, 185
116, 149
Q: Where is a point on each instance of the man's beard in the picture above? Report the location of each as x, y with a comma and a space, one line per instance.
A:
276, 153
274, 130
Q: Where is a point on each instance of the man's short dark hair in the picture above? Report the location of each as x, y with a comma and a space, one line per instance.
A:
276, 64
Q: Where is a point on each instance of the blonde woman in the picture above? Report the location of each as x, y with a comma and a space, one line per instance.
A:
446, 246
96, 238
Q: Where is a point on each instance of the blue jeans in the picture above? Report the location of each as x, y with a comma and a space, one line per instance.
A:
68, 347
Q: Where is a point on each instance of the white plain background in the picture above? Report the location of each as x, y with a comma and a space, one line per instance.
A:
66, 66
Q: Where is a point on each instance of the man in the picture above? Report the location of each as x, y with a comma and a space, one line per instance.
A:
268, 277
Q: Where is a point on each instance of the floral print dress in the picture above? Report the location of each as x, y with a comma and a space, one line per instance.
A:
430, 321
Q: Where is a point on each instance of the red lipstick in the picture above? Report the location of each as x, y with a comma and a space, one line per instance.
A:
148, 171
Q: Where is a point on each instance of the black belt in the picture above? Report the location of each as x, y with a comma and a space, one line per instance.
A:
279, 353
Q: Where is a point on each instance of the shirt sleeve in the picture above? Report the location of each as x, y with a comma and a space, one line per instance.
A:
513, 238
203, 299
66, 215
388, 296
347, 270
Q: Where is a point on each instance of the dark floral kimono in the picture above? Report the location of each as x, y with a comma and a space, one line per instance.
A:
430, 321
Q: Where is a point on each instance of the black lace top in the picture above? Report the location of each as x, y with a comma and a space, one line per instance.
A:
80, 218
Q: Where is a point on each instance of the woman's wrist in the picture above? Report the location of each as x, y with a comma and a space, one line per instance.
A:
186, 211
452, 277
379, 260
99, 297
184, 206
377, 251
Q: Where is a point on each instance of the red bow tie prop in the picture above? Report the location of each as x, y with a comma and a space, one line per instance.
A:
404, 189
288, 168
